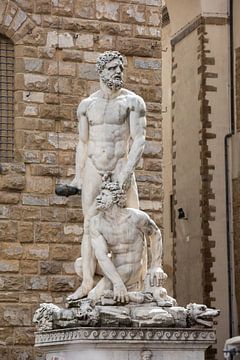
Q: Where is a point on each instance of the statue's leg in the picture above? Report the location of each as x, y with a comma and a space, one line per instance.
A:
98, 291
90, 189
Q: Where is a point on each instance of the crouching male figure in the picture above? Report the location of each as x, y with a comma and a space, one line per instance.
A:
118, 237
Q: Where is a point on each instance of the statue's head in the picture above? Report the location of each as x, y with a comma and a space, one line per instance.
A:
110, 69
146, 355
110, 195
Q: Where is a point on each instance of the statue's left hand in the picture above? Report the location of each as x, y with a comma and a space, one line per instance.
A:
156, 276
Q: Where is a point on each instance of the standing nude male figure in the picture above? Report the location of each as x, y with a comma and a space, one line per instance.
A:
108, 119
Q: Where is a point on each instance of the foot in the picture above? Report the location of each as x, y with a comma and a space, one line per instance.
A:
81, 292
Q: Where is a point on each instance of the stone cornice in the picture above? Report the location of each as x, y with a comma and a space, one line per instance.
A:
118, 335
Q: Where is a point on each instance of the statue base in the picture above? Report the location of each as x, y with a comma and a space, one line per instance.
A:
88, 343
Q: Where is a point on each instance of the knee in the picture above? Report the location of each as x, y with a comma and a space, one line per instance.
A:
78, 267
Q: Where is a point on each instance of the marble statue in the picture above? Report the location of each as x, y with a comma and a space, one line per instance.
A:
108, 120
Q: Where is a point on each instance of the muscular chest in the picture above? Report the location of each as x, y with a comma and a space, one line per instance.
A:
123, 233
107, 112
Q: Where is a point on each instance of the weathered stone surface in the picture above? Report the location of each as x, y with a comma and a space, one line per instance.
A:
37, 251
133, 14
24, 336
17, 316
147, 64
25, 232
50, 267
12, 182
147, 32
138, 47
9, 283
74, 215
36, 282
9, 198
9, 266
11, 250
33, 65
85, 9
84, 41
8, 230
64, 252
34, 200
49, 232
29, 267
62, 7
107, 10
62, 283
39, 185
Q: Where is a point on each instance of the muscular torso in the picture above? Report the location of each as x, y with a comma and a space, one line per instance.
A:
109, 132
125, 239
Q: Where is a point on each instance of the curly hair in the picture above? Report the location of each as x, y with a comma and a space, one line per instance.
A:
119, 196
105, 58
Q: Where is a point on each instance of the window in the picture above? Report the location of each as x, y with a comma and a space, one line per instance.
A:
6, 99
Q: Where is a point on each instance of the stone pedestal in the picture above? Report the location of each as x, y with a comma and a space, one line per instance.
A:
125, 343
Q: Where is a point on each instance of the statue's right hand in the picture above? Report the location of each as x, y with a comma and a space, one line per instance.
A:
120, 293
66, 190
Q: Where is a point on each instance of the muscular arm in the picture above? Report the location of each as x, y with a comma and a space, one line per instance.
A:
81, 151
151, 230
137, 131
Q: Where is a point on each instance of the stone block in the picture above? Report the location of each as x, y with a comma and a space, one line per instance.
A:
25, 232
107, 10
33, 65
35, 97
4, 212
22, 353
37, 252
152, 164
62, 283
43, 7
148, 205
16, 315
9, 14
2, 10
152, 149
4, 352
24, 336
30, 213
28, 267
80, 86
67, 69
116, 29
64, 252
8, 283
74, 215
11, 250
53, 214
85, 9
153, 15
138, 47
84, 41
8, 230
156, 193
12, 182
9, 297
18, 20
9, 198
62, 7
68, 268
26, 5
36, 282
72, 233
150, 32
50, 267
88, 71
31, 111
48, 232
9, 266
146, 64
63, 141
36, 82
106, 42
39, 184
34, 200
72, 55
133, 14
65, 41
90, 56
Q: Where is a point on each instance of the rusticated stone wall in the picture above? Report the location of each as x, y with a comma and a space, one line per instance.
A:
56, 43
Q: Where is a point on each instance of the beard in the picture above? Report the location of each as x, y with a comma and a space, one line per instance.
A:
113, 84
101, 205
